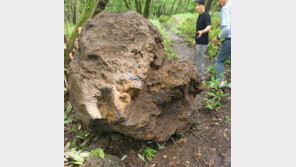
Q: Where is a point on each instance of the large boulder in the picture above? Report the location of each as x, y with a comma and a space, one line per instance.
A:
121, 80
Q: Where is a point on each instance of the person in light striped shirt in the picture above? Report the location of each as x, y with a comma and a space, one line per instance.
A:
225, 49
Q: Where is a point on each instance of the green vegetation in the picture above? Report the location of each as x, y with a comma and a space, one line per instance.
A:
148, 153
68, 29
115, 6
161, 146
72, 157
67, 117
216, 95
75, 150
167, 42
185, 25
98, 151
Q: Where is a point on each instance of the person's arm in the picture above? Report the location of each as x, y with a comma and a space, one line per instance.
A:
207, 29
225, 24
224, 31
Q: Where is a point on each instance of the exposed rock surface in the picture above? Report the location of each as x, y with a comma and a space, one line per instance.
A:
122, 81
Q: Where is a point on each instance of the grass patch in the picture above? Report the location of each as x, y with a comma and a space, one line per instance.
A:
167, 41
70, 28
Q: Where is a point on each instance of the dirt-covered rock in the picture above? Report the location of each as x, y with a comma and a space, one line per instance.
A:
120, 80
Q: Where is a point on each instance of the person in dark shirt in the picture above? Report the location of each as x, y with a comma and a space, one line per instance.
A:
203, 26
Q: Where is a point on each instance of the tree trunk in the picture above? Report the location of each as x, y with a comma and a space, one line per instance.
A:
101, 6
84, 16
181, 6
152, 7
213, 11
172, 7
92, 12
138, 6
208, 6
127, 4
74, 12
163, 9
147, 8
65, 39
66, 16
178, 7
159, 9
66, 20
70, 11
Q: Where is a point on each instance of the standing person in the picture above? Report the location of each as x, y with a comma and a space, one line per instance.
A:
203, 26
225, 49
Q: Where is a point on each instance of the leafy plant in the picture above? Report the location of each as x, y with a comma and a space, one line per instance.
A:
148, 153
161, 146
67, 117
75, 157
76, 150
215, 96
66, 70
142, 158
211, 71
227, 118
225, 136
73, 143
98, 151
123, 158
177, 136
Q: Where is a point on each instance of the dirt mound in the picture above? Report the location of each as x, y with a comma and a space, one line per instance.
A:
121, 80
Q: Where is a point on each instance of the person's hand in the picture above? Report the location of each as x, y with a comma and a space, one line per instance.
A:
215, 40
194, 44
200, 33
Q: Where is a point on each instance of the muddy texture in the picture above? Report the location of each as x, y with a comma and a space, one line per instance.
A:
121, 81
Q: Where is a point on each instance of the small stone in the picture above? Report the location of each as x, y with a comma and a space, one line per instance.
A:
180, 141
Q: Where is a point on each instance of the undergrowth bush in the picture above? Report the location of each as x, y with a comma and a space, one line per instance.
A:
216, 95
68, 27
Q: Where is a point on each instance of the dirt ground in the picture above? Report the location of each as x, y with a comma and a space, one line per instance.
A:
207, 144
